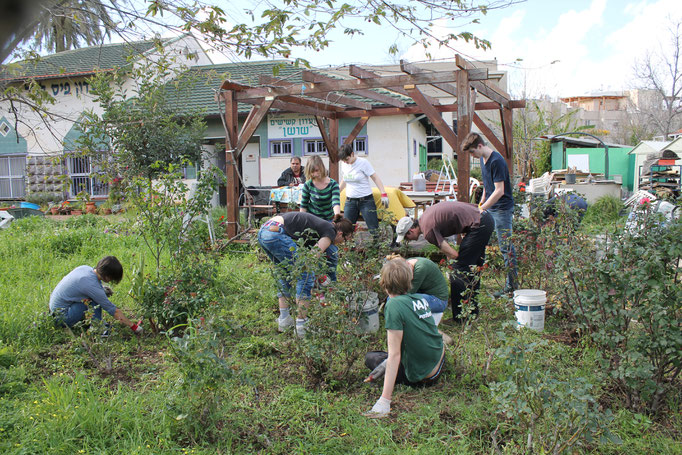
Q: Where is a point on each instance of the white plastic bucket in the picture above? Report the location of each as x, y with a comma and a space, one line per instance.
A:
530, 308
369, 316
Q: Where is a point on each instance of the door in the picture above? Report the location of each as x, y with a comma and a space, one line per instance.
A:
423, 159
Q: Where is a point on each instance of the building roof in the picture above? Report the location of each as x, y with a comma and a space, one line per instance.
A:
196, 89
77, 62
645, 147
580, 141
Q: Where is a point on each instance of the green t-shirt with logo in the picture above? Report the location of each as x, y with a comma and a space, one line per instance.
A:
422, 345
428, 279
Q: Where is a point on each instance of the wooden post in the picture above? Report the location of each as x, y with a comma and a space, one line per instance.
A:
507, 132
334, 154
463, 128
232, 183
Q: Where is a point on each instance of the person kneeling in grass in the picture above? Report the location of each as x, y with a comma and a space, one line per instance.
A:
82, 287
416, 353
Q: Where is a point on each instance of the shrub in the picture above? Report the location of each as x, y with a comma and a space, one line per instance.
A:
552, 415
630, 304
605, 210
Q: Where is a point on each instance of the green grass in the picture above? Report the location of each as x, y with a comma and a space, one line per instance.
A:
54, 399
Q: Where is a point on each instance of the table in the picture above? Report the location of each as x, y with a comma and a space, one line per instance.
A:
287, 194
424, 199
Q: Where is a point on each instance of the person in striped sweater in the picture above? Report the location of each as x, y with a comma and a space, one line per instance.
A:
321, 197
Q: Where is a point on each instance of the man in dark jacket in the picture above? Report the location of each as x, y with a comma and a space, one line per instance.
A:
292, 175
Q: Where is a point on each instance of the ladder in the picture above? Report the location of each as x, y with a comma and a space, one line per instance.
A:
447, 173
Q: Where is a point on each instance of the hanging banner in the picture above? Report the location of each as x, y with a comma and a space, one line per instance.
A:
286, 126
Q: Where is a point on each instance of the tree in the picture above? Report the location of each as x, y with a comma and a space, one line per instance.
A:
66, 24
533, 156
141, 127
661, 72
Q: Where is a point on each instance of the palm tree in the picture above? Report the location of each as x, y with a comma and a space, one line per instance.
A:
66, 24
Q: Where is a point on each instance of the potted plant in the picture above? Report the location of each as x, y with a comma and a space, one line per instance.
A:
77, 208
64, 208
53, 208
105, 207
570, 175
86, 204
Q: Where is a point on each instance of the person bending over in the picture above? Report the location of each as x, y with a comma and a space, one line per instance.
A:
446, 219
416, 353
429, 283
82, 288
278, 238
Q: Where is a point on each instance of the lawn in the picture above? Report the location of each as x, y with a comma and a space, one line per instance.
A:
228, 382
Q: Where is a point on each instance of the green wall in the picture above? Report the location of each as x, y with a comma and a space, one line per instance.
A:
620, 162
9, 144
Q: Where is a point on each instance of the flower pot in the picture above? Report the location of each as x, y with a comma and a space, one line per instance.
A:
570, 178
76, 212
54, 210
106, 211
90, 207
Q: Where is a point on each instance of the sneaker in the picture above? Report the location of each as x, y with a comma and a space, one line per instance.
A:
284, 324
503, 292
301, 328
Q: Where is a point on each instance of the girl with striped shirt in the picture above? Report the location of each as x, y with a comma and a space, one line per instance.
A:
321, 194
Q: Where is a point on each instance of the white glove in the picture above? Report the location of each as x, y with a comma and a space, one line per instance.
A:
380, 409
384, 200
137, 328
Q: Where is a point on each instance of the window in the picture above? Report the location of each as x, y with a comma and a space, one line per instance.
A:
12, 177
84, 177
314, 147
4, 129
359, 145
280, 148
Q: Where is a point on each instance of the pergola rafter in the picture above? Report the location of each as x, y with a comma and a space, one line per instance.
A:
364, 95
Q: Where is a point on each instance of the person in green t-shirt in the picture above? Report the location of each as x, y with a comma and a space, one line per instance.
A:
428, 281
415, 348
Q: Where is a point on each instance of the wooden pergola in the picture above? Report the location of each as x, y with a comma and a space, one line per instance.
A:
367, 94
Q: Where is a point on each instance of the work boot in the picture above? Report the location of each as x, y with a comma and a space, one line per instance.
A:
284, 324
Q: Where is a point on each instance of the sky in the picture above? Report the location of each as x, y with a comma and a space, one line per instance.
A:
549, 47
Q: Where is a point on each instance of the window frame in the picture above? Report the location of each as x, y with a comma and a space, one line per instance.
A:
10, 177
359, 139
317, 141
271, 144
88, 175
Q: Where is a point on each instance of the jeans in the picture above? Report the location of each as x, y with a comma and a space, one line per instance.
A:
503, 230
281, 249
76, 313
471, 253
332, 254
364, 205
437, 305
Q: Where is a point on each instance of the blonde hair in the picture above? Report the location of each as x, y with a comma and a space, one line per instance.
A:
314, 163
396, 276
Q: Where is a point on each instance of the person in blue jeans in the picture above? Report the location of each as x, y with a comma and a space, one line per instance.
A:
82, 289
497, 200
278, 238
355, 175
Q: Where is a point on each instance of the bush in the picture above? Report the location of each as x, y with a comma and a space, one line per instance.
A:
630, 304
605, 210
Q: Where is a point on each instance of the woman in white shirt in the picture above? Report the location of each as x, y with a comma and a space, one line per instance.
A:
355, 175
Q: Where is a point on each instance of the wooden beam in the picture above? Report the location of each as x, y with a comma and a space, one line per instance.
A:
463, 121
381, 97
323, 126
488, 133
309, 88
356, 130
249, 128
334, 154
494, 93
383, 111
301, 109
434, 116
329, 97
507, 124
231, 118
410, 68
362, 73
